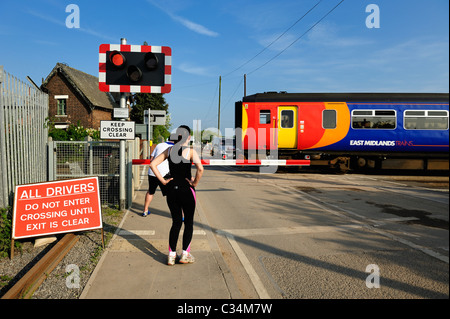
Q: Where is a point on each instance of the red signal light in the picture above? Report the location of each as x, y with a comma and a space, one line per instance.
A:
117, 59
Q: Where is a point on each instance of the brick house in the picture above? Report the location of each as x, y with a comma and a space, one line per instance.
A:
74, 96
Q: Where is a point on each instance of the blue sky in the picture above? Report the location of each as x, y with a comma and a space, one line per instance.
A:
409, 52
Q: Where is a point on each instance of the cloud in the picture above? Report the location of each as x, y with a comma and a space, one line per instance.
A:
185, 67
198, 28
327, 34
193, 26
47, 18
417, 65
63, 24
97, 34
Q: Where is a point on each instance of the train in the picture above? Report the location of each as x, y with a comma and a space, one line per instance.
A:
346, 131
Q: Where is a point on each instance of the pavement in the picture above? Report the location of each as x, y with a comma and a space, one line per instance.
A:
134, 264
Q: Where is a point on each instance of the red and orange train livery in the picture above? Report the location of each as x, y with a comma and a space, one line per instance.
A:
347, 130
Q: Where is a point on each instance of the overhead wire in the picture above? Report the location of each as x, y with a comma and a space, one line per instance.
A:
270, 44
267, 46
212, 101
232, 94
301, 36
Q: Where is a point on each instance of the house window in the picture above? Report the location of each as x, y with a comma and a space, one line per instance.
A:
61, 105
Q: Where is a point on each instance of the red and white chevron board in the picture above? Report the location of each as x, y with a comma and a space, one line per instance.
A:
219, 162
135, 88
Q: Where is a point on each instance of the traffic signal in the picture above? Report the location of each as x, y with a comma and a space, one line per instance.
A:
135, 68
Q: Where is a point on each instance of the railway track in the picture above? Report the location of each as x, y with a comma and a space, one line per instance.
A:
31, 281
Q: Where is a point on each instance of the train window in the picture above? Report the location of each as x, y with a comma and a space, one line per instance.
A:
264, 117
329, 119
426, 120
437, 113
357, 112
287, 119
414, 113
373, 119
383, 112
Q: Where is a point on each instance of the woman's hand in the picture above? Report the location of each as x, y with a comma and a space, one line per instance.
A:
191, 182
166, 181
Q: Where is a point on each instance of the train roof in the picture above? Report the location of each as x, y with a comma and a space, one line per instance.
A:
346, 97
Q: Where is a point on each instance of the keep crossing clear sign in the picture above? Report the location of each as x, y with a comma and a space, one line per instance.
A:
117, 130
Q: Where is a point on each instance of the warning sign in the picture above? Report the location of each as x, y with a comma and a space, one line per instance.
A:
117, 130
56, 207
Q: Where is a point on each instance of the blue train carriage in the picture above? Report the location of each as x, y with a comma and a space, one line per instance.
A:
349, 130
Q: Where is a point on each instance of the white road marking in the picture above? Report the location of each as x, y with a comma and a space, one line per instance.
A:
257, 283
126, 232
286, 230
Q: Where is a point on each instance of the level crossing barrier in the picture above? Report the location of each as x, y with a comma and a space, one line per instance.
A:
220, 162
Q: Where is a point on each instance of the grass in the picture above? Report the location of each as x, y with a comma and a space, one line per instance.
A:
5, 232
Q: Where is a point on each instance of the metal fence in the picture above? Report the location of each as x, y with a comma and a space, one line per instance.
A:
23, 135
75, 159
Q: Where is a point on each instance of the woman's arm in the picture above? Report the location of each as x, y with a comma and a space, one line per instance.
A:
154, 166
198, 164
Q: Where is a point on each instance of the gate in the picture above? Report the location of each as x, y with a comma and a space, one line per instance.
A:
23, 135
76, 159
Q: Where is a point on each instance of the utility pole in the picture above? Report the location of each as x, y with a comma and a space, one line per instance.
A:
218, 117
245, 84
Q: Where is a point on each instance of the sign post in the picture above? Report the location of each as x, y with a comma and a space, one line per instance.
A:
122, 167
151, 118
133, 69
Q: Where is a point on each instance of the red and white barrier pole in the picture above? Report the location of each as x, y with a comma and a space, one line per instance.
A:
219, 162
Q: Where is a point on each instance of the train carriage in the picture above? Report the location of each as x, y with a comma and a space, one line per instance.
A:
347, 130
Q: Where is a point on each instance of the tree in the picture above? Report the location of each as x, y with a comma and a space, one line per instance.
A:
153, 101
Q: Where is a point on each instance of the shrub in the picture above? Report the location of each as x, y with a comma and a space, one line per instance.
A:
75, 132
5, 232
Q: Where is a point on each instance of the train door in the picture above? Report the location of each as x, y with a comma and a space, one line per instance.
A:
287, 127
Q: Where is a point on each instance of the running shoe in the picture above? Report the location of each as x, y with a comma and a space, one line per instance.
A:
187, 258
171, 260
145, 214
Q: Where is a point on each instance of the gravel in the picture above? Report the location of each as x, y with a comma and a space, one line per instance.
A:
79, 263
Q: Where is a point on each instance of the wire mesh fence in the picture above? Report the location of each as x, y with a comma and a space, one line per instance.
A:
74, 159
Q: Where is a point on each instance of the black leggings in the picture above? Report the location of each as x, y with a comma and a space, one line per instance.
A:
181, 200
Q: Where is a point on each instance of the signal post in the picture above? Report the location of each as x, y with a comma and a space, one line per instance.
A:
133, 69
118, 61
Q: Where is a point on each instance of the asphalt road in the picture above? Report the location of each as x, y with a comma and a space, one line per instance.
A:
303, 235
